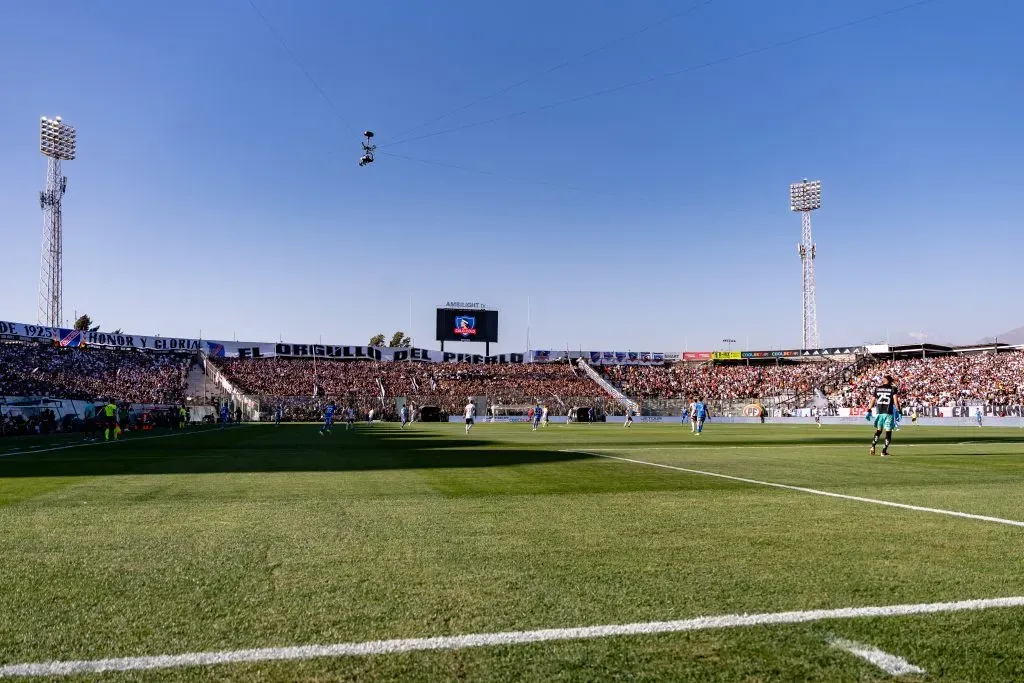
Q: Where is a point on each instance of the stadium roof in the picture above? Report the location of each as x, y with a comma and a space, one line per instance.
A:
921, 350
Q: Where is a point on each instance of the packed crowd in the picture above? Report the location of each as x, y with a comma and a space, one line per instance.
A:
32, 369
723, 382
360, 384
936, 381
996, 379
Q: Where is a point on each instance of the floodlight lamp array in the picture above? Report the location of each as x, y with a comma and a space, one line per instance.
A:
805, 196
56, 139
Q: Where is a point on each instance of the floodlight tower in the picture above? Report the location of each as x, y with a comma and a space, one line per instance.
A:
57, 144
805, 197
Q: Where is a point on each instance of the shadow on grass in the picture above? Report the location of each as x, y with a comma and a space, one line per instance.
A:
285, 449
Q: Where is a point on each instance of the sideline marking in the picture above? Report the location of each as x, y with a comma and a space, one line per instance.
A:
98, 443
817, 492
380, 647
713, 447
890, 664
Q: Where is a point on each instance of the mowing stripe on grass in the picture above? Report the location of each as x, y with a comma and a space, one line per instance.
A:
802, 489
890, 664
99, 443
380, 647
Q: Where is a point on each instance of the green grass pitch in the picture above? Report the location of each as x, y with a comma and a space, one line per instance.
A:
266, 536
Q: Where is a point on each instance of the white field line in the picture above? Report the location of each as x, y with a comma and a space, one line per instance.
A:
105, 443
816, 492
713, 447
380, 647
890, 664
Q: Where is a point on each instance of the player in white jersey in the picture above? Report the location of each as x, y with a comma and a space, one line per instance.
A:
350, 419
693, 416
544, 416
470, 412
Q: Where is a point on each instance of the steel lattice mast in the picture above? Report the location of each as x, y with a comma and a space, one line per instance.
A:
57, 144
805, 197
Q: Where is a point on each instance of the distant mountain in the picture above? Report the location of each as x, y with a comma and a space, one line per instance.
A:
1012, 337
909, 339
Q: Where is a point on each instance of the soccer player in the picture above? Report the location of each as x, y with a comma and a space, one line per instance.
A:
328, 419
537, 410
913, 416
629, 417
977, 416
350, 418
277, 415
693, 416
181, 417
404, 415
544, 415
817, 417
110, 421
886, 403
470, 413
700, 411
685, 413
225, 414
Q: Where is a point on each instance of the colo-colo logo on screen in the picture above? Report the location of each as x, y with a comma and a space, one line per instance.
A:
465, 325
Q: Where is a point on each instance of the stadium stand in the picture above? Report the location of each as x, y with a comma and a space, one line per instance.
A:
31, 369
947, 380
718, 382
445, 385
934, 381
302, 386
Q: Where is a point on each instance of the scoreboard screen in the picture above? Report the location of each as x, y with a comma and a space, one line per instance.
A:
455, 324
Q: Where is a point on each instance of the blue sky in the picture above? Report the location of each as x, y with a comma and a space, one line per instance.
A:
217, 190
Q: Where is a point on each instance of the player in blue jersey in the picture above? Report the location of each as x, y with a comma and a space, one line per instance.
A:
700, 411
328, 419
537, 411
404, 413
225, 414
977, 416
684, 414
277, 414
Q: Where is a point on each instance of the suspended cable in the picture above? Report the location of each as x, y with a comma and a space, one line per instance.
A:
670, 74
274, 32
557, 67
